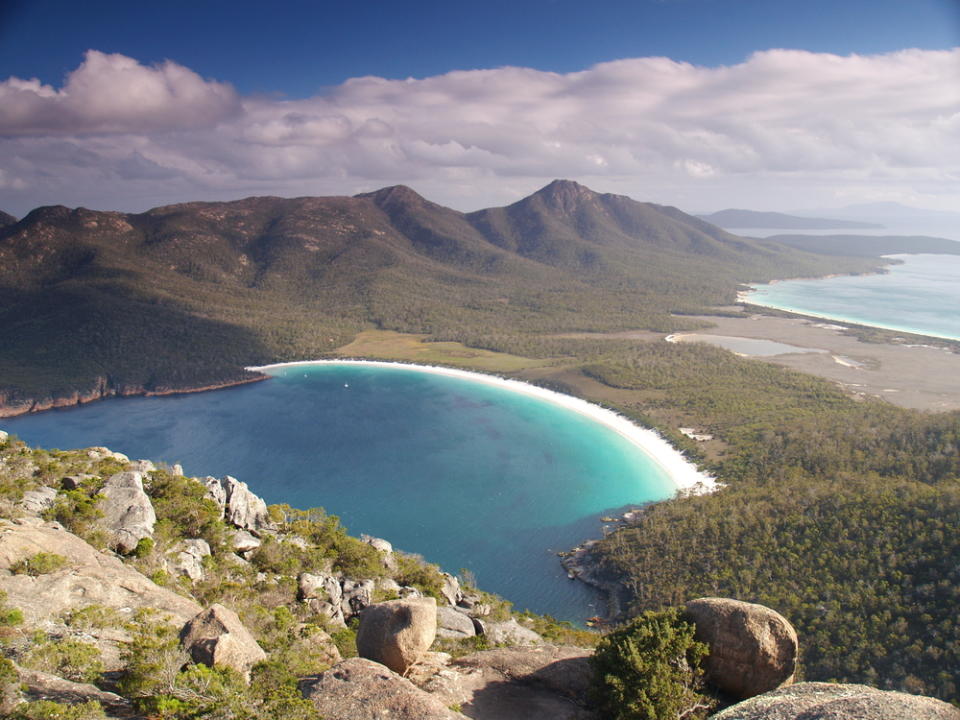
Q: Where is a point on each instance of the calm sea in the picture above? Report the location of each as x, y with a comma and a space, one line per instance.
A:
467, 474
921, 295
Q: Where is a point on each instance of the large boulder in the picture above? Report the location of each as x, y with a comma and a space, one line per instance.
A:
832, 701
34, 502
753, 649
128, 514
397, 633
44, 686
358, 689
216, 637
454, 624
90, 577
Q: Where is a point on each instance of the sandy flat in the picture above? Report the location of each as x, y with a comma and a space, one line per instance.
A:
920, 377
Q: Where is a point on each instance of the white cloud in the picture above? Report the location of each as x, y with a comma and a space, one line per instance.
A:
782, 123
115, 94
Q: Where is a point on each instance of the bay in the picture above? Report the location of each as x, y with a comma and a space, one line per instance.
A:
920, 295
470, 475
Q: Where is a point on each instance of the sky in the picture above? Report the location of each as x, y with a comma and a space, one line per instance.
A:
701, 104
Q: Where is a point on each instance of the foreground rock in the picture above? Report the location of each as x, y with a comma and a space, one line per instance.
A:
89, 578
216, 637
545, 682
454, 624
753, 649
128, 514
830, 701
397, 633
359, 689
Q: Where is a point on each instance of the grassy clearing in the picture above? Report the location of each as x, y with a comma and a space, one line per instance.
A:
390, 345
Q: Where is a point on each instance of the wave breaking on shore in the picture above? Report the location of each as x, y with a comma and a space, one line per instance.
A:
687, 478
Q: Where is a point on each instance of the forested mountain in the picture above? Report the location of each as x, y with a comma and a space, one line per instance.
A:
185, 296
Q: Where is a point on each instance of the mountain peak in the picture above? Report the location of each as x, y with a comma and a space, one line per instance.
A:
394, 195
565, 195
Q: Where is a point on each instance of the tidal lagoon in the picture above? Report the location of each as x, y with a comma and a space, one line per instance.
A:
473, 473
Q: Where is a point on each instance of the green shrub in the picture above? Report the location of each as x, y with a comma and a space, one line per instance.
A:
650, 670
93, 617
9, 616
9, 687
41, 563
78, 512
71, 659
153, 658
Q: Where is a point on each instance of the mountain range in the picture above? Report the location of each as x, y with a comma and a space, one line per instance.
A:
96, 303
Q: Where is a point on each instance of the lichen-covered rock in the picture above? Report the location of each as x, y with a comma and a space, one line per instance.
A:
833, 701
188, 558
44, 686
510, 633
320, 586
357, 594
397, 633
128, 514
451, 589
358, 689
753, 649
453, 624
36, 501
243, 541
216, 637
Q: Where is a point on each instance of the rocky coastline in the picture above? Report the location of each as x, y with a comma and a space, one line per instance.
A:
13, 404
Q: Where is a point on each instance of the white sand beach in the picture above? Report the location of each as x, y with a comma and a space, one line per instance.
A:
683, 473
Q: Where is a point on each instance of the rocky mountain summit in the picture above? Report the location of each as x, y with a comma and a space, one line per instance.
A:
131, 590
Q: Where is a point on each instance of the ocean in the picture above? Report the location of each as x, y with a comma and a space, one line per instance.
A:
920, 295
469, 475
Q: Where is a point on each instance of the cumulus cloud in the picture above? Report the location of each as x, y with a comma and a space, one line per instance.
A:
788, 119
115, 94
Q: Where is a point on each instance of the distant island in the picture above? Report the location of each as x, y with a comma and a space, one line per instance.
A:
753, 219
869, 245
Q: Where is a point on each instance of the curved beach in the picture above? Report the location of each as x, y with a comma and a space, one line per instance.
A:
683, 473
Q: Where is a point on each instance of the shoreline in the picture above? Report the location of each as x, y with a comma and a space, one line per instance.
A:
684, 475
743, 299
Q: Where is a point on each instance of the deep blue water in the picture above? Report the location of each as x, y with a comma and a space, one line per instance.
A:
921, 295
467, 474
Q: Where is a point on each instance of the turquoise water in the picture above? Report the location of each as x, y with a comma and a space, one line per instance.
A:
921, 295
467, 474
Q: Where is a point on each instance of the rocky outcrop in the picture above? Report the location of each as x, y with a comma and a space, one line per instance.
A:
510, 633
753, 649
241, 508
243, 541
397, 633
357, 594
384, 547
831, 701
188, 558
216, 637
359, 689
128, 514
89, 578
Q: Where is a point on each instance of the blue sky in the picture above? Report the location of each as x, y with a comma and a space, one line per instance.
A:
217, 100
298, 48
